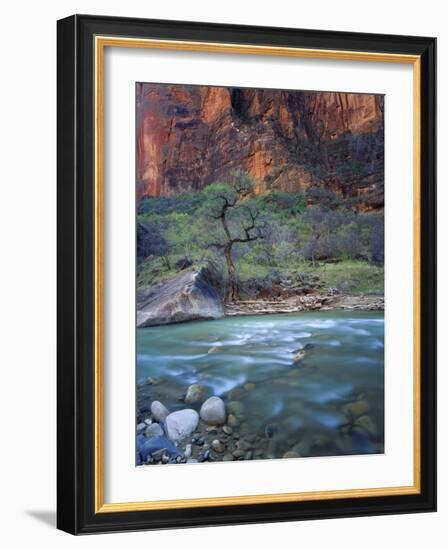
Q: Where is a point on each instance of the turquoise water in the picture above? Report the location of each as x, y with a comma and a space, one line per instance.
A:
305, 403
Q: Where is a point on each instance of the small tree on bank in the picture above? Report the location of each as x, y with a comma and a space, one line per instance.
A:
234, 209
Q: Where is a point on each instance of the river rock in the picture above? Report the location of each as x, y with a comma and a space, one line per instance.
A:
303, 448
291, 454
188, 450
365, 424
146, 447
228, 457
159, 411
195, 393
187, 296
244, 445
233, 421
236, 408
299, 356
213, 411
141, 427
238, 453
356, 409
181, 424
154, 430
217, 446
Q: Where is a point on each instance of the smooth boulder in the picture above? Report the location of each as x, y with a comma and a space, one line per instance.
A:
159, 411
213, 411
181, 424
187, 296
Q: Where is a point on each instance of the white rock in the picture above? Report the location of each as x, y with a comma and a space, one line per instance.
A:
159, 411
188, 450
154, 430
141, 427
213, 411
181, 424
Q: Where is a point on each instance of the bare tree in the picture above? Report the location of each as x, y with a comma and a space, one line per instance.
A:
230, 205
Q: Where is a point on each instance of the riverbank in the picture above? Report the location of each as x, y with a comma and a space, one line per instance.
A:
313, 302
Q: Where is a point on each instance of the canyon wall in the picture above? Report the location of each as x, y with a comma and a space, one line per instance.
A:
191, 136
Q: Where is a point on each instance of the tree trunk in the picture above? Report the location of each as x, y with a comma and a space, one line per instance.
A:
232, 293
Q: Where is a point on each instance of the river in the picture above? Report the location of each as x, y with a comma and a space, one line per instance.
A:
306, 406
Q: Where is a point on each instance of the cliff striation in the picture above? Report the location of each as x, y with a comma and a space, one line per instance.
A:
191, 136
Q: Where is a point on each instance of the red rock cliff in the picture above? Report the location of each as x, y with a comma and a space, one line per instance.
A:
191, 136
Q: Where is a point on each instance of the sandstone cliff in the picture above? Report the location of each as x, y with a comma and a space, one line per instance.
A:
191, 136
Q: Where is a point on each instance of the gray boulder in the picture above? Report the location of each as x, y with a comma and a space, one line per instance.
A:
159, 411
181, 424
213, 411
188, 296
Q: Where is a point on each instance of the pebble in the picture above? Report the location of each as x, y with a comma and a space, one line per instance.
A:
205, 456
158, 455
243, 445
357, 408
228, 457
302, 448
366, 424
238, 453
217, 446
249, 386
188, 450
291, 454
270, 430
227, 429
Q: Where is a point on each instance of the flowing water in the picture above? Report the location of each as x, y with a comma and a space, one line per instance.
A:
306, 406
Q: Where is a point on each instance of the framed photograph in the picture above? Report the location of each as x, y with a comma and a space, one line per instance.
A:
246, 274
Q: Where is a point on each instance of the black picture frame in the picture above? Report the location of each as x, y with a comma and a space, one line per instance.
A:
76, 262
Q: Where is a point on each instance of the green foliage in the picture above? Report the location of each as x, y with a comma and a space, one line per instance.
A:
343, 248
353, 276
